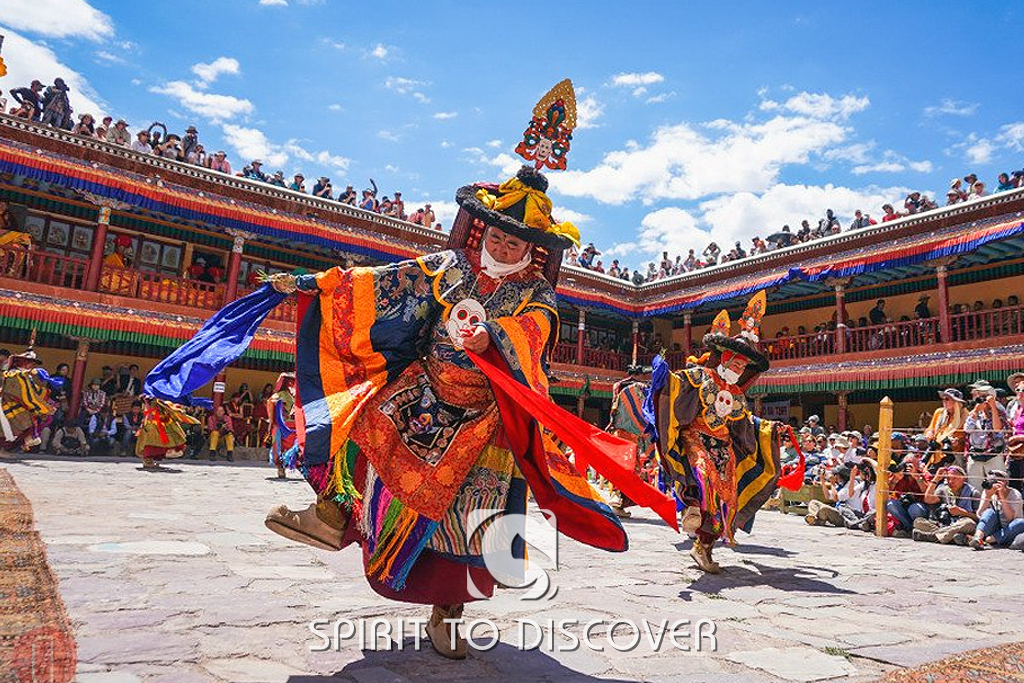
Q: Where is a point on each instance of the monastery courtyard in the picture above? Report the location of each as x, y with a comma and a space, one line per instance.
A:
171, 576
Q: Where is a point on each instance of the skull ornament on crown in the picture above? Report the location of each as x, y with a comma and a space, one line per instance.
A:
463, 317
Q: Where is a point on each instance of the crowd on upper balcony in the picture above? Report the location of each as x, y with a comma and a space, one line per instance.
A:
957, 477
963, 189
51, 106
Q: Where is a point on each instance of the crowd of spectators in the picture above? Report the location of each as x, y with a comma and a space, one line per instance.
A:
960, 190
111, 411
50, 105
880, 330
957, 477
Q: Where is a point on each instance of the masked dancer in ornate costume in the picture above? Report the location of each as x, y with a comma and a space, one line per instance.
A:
423, 409
721, 462
162, 432
281, 406
627, 422
25, 405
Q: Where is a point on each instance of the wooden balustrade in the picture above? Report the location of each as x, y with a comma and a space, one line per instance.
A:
42, 267
997, 322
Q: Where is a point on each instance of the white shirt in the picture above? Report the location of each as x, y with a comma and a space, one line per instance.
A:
1015, 500
141, 147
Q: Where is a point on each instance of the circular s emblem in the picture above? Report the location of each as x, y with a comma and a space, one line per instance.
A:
463, 316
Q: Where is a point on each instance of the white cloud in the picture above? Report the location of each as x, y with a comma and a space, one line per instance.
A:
212, 106
632, 80
663, 97
577, 218
252, 143
208, 73
879, 167
274, 3
639, 92
57, 19
820, 105
951, 108
494, 143
1012, 135
420, 97
26, 61
445, 115
109, 57
980, 151
379, 51
388, 135
407, 86
445, 144
335, 107
682, 162
588, 111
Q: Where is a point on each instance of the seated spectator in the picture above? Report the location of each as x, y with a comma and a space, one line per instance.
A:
854, 505
128, 427
69, 439
349, 197
221, 431
1015, 441
219, 162
102, 432
197, 155
141, 144
953, 197
624, 275
94, 400
954, 504
813, 425
829, 225
118, 135
298, 183
599, 267
907, 483
1000, 513
977, 190
255, 171
889, 214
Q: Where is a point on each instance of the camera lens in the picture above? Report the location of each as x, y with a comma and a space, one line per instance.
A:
986, 484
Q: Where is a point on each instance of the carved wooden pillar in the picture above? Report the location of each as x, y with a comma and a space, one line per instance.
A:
687, 333
78, 376
636, 339
235, 263
581, 331
843, 398
945, 324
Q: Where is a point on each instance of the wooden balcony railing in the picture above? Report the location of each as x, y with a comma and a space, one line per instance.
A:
897, 335
799, 346
998, 322
161, 288
286, 311
41, 267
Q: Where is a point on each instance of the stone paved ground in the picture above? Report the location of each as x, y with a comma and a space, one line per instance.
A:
171, 576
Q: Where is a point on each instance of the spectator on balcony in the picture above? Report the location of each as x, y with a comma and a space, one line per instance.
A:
398, 205
977, 190
1005, 184
429, 218
889, 214
118, 134
711, 254
197, 155
298, 183
56, 105
912, 204
599, 267
625, 275
322, 188
385, 206
416, 217
985, 427
219, 162
690, 263
614, 270
256, 171
921, 310
953, 197
638, 278
1015, 441
969, 181
189, 142
141, 144
29, 99
368, 202
877, 314
861, 220
1000, 513
85, 126
277, 180
829, 225
348, 196
103, 130
170, 148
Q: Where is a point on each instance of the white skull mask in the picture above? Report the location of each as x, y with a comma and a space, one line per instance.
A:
464, 316
723, 403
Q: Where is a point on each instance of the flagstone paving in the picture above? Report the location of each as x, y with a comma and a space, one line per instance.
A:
171, 576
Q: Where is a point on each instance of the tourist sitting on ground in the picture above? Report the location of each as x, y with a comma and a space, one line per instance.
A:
221, 432
94, 399
954, 503
855, 501
1000, 513
67, 439
102, 433
128, 427
907, 483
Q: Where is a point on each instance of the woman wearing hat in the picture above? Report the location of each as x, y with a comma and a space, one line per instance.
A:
1015, 442
708, 440
946, 428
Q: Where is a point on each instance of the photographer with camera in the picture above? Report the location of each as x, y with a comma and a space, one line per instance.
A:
835, 484
985, 428
855, 506
907, 483
954, 505
322, 188
1015, 443
221, 427
1000, 514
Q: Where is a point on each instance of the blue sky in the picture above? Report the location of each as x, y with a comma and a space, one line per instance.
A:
698, 122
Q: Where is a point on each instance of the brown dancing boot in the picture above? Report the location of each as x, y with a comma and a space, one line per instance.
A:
701, 554
691, 519
321, 525
440, 633
281, 474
